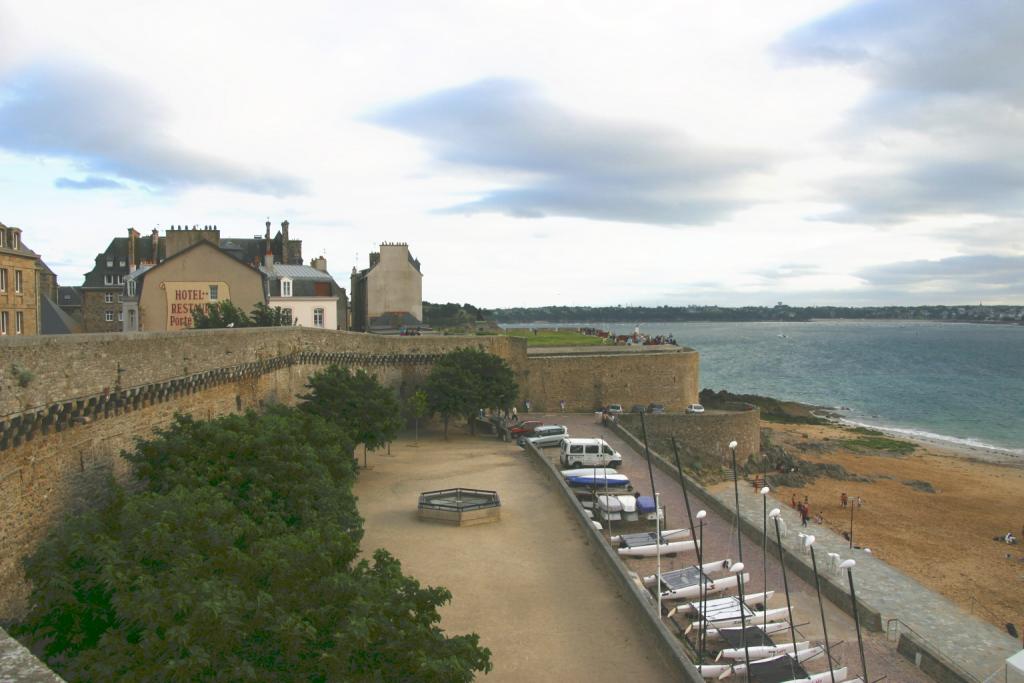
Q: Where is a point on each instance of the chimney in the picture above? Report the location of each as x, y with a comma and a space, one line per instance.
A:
320, 263
268, 258
154, 242
284, 243
268, 229
133, 237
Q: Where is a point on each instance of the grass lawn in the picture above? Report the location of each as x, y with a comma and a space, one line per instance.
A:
555, 337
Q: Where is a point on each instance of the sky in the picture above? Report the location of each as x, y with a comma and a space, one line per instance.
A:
539, 153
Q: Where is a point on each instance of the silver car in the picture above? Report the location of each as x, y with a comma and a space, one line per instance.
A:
544, 436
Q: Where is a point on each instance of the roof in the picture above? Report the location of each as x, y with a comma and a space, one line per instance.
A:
279, 270
22, 249
53, 320
142, 272
307, 281
69, 296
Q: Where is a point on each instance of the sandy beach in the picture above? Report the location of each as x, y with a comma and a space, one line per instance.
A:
943, 539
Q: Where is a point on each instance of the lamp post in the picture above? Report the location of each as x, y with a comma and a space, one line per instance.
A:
848, 566
657, 539
701, 587
809, 543
737, 569
764, 544
736, 492
775, 514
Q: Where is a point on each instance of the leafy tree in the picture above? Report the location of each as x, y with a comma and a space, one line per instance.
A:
416, 407
263, 315
363, 408
237, 562
465, 380
217, 315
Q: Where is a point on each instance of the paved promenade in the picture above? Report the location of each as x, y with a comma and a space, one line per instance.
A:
972, 645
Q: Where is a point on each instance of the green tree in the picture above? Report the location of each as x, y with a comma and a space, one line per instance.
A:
465, 380
236, 562
416, 407
363, 408
217, 315
263, 315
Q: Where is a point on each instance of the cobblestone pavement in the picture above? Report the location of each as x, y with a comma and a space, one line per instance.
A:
720, 542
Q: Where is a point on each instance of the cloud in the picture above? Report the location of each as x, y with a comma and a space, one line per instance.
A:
996, 275
89, 183
945, 114
556, 162
111, 127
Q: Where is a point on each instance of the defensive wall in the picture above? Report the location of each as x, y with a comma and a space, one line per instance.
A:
704, 437
588, 377
69, 405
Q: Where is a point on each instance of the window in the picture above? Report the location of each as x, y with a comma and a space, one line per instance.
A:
19, 322
110, 263
131, 288
17, 281
2, 236
109, 316
318, 317
108, 298
3, 322
120, 316
15, 241
123, 263
214, 292
67, 297
108, 279
120, 298
3, 279
286, 316
131, 320
286, 287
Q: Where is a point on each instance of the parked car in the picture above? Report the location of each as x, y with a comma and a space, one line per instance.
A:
544, 436
525, 428
656, 408
614, 409
637, 408
589, 453
695, 408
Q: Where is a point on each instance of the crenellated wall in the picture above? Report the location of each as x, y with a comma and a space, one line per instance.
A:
70, 405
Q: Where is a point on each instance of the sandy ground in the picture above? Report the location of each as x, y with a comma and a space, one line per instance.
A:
942, 539
528, 585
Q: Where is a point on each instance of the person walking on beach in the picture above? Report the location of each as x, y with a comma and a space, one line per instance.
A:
562, 405
805, 514
792, 503
843, 499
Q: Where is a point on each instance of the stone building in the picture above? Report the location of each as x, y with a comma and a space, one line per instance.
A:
196, 272
308, 295
19, 285
387, 296
102, 294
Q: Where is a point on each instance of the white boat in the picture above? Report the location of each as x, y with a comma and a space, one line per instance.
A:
826, 677
630, 547
763, 651
611, 481
706, 568
801, 656
731, 603
752, 618
617, 508
719, 584
768, 629
666, 535
589, 472
712, 671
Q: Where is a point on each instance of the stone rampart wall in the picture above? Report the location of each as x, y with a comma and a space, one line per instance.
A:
703, 439
70, 405
588, 381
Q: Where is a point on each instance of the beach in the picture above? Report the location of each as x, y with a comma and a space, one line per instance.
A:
944, 539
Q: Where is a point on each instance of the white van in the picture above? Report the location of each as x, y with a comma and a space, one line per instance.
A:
589, 453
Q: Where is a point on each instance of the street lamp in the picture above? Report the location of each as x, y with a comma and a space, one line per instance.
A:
775, 514
764, 542
737, 569
848, 566
736, 492
809, 543
701, 587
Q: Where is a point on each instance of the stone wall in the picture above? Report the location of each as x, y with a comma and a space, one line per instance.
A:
704, 438
589, 379
78, 401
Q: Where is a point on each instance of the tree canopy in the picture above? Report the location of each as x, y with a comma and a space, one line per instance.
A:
225, 314
465, 380
236, 561
363, 408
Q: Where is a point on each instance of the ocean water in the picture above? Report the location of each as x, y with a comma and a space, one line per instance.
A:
962, 383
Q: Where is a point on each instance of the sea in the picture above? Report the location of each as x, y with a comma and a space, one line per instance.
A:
960, 383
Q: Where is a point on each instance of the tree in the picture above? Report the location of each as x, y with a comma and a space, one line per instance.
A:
263, 315
416, 407
217, 315
236, 562
466, 380
357, 403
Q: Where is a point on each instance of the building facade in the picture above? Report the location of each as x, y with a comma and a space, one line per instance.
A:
19, 285
308, 295
100, 302
388, 296
161, 297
